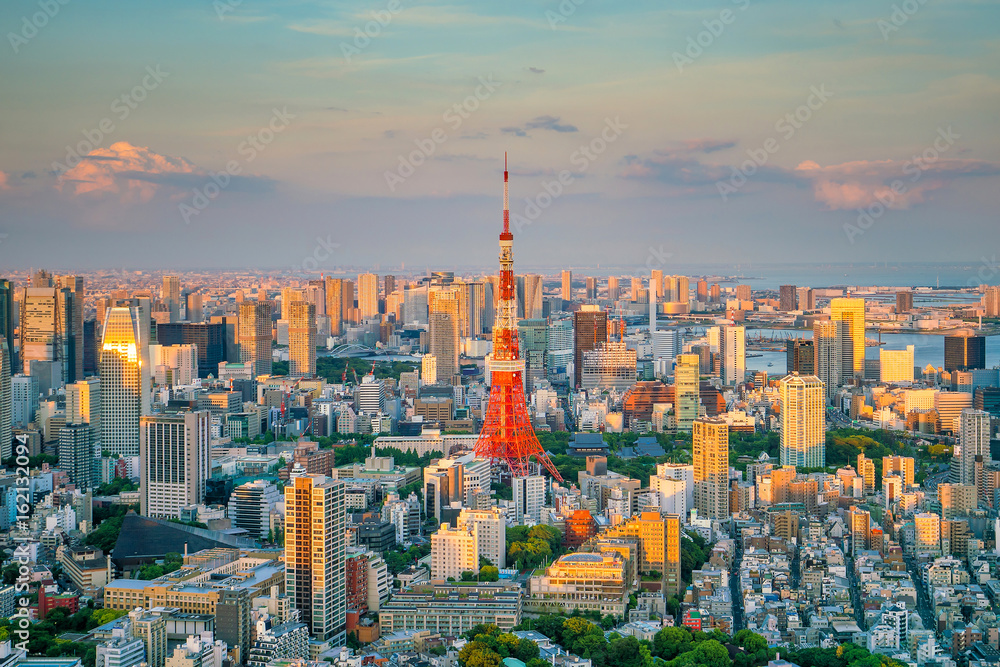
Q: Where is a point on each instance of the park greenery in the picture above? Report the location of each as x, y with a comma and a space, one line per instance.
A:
332, 369
530, 547
671, 647
398, 559
116, 486
43, 637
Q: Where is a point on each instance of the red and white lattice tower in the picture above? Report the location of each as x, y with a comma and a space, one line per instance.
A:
507, 433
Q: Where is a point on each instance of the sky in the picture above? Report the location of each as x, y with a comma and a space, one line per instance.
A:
316, 136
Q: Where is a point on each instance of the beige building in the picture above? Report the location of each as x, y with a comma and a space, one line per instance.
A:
711, 467
866, 471
927, 533
659, 538
581, 581
957, 499
903, 465
896, 365
255, 336
454, 550
491, 533
687, 375
803, 421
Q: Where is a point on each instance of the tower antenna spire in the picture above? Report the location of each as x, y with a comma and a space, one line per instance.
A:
507, 434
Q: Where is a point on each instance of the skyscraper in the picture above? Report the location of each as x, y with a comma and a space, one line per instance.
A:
6, 402
613, 288
711, 467
83, 405
124, 381
656, 284
315, 558
171, 295
47, 330
852, 311
803, 432
255, 336
732, 350
301, 339
7, 321
687, 390
368, 295
567, 285
591, 288
832, 345
807, 299
334, 305
443, 331
72, 308
800, 356
974, 440
175, 462
590, 328
964, 351
787, 297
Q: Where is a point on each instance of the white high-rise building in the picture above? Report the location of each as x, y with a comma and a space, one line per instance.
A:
679, 471
667, 344
671, 494
491, 533
454, 550
732, 349
175, 462
315, 554
803, 421
250, 507
174, 365
529, 498
371, 396
974, 440
124, 373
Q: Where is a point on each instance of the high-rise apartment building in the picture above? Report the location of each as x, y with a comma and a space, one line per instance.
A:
656, 284
124, 380
787, 298
964, 351
255, 336
732, 352
807, 299
368, 295
76, 454
687, 390
711, 467
491, 531
83, 405
590, 328
175, 462
567, 285
902, 466
334, 291
454, 550
591, 291
852, 311
803, 421
209, 338
47, 329
250, 507
866, 471
315, 554
24, 399
301, 339
529, 498
974, 441
896, 365
170, 294
834, 354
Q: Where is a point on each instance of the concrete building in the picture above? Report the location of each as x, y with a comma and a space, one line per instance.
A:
250, 507
803, 421
529, 498
124, 381
454, 550
711, 467
175, 462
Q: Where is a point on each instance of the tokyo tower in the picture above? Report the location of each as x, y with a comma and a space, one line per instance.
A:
507, 433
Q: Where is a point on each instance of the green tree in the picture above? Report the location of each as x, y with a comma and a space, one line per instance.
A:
489, 573
669, 643
711, 654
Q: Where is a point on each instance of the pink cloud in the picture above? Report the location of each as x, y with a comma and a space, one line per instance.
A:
4, 184
134, 174
897, 184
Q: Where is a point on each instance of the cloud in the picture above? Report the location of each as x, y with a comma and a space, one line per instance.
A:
4, 185
897, 184
536, 70
135, 174
539, 123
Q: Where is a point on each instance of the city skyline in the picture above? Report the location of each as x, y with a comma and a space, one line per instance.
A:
693, 97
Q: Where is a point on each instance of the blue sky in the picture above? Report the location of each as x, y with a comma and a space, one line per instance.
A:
692, 106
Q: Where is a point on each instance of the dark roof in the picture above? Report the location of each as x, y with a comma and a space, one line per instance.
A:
143, 539
588, 439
